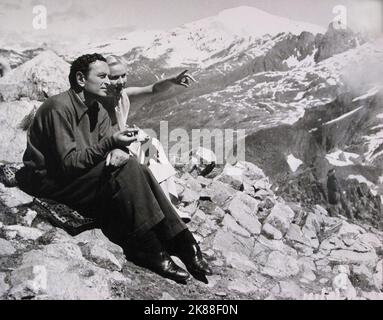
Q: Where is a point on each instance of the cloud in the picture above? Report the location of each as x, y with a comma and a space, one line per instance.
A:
366, 16
67, 21
5, 6
367, 73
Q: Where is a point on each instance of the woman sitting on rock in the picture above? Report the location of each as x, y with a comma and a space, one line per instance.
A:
152, 152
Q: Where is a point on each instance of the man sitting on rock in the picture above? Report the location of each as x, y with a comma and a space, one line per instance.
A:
65, 160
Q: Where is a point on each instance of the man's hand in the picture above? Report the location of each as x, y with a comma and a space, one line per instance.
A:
183, 79
117, 158
122, 140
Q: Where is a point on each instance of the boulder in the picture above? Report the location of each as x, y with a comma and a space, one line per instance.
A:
239, 262
295, 234
13, 139
206, 228
190, 209
220, 193
262, 184
227, 242
276, 245
378, 275
70, 276
341, 269
199, 217
101, 257
265, 196
307, 263
96, 236
14, 197
191, 183
67, 251
166, 296
280, 217
307, 275
244, 216
371, 240
248, 201
288, 290
313, 223
231, 176
362, 277
241, 285
231, 225
311, 237
351, 257
25, 233
250, 171
28, 281
28, 217
350, 230
280, 265
189, 195
270, 232
320, 210
6, 248
204, 182
4, 287
343, 286
44, 75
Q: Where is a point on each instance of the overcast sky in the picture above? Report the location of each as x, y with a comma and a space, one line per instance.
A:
65, 17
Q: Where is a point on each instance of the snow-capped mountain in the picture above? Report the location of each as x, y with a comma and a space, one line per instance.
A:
198, 42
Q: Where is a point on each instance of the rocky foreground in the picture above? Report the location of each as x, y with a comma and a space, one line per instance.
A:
260, 247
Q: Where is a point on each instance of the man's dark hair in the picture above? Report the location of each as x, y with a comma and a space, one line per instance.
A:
82, 64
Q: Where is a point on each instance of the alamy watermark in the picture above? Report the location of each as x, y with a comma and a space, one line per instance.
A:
40, 17
340, 19
179, 144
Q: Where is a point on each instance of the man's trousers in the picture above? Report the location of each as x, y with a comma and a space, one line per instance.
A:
126, 202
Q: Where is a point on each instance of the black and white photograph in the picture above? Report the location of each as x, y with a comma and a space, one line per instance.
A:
208, 151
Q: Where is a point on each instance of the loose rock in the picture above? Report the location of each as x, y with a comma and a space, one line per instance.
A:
280, 265
280, 217
25, 233
101, 257
6, 248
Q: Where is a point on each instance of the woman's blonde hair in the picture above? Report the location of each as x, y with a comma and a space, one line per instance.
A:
113, 60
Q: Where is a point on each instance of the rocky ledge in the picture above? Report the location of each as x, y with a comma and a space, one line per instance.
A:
259, 245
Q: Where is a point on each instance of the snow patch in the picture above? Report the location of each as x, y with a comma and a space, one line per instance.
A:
373, 91
373, 142
344, 116
293, 162
340, 158
292, 61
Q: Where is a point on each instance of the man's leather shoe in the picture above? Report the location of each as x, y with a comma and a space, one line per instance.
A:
162, 264
194, 261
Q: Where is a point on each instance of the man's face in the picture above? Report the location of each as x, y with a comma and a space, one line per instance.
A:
97, 80
117, 78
